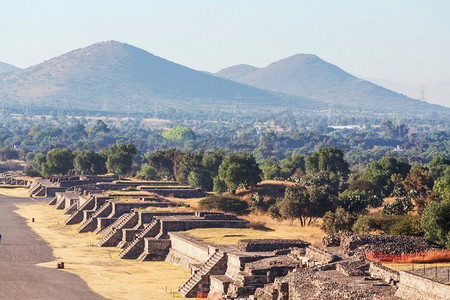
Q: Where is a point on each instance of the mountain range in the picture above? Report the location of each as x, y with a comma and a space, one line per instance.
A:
306, 75
113, 76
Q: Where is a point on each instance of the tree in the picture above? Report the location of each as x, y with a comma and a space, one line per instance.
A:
356, 201
88, 162
239, 169
7, 153
419, 182
328, 180
179, 133
291, 164
435, 222
328, 159
120, 158
225, 204
400, 206
38, 160
338, 221
100, 127
270, 169
303, 203
219, 186
380, 172
419, 186
58, 162
363, 185
437, 166
442, 185
161, 160
147, 172
200, 178
212, 160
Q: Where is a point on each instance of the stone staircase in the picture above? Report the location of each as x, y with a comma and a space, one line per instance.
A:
199, 282
135, 248
71, 209
113, 230
77, 216
122, 220
91, 223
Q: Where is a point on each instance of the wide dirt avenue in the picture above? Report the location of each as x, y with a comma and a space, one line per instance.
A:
20, 250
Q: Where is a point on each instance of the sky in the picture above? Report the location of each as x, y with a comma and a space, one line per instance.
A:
399, 41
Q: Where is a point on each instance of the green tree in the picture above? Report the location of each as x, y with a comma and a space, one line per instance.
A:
38, 160
303, 203
212, 160
224, 203
437, 166
435, 222
200, 178
380, 172
179, 133
270, 169
58, 162
88, 162
356, 202
338, 221
120, 158
162, 161
291, 164
219, 186
239, 169
328, 159
147, 172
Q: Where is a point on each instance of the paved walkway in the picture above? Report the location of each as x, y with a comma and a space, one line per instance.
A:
20, 250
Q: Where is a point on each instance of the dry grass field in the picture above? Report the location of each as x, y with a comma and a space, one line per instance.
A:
99, 267
274, 229
14, 191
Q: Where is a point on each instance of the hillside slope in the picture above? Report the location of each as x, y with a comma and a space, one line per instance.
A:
4, 68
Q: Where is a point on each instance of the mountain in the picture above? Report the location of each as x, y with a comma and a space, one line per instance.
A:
307, 75
236, 72
4, 68
437, 93
113, 76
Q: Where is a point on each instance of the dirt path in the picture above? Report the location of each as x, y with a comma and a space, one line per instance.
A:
20, 250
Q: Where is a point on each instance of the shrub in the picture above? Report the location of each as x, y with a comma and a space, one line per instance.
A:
225, 204
401, 206
338, 221
388, 224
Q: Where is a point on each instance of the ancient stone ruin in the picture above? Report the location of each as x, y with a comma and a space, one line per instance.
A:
251, 269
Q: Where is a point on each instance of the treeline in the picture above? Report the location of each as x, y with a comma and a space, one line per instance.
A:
418, 144
411, 199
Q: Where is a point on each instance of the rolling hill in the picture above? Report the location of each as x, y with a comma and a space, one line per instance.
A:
112, 76
307, 75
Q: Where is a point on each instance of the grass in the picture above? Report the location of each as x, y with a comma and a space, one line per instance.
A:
100, 267
409, 267
276, 229
14, 192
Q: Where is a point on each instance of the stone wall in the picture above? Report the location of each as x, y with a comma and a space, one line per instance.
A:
269, 245
390, 276
187, 250
413, 287
319, 255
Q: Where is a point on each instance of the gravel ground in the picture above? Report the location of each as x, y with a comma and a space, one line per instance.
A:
20, 250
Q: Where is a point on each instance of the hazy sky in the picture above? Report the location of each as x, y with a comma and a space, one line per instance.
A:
406, 41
